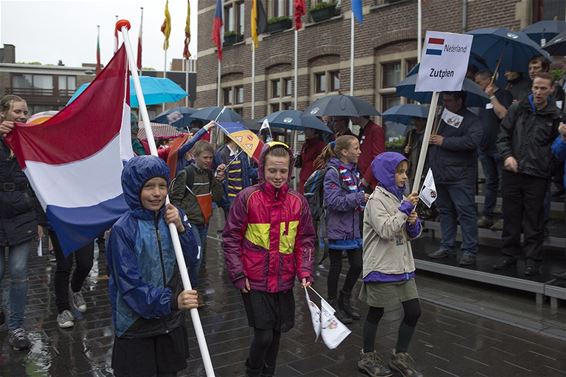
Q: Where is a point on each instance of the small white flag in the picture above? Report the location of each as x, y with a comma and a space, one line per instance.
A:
452, 119
40, 248
428, 192
332, 330
315, 315
265, 126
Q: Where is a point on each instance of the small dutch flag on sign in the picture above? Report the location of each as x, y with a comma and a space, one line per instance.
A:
435, 46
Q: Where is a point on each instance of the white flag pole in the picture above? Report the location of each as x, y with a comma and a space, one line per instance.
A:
295, 102
123, 26
426, 138
419, 29
253, 80
352, 54
187, 82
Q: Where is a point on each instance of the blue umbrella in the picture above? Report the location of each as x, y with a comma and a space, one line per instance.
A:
178, 117
295, 120
505, 50
557, 45
544, 30
155, 90
475, 97
404, 113
211, 113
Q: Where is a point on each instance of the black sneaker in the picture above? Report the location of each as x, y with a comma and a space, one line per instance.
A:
505, 263
2, 318
467, 260
439, 254
19, 339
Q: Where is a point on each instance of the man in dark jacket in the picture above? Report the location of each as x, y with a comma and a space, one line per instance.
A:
524, 141
453, 159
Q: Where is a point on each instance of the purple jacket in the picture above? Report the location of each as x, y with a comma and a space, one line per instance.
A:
342, 203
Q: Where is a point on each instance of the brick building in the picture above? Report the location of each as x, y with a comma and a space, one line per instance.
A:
385, 48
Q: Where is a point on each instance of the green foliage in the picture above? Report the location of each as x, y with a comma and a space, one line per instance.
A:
395, 143
230, 33
324, 5
274, 20
557, 73
32, 63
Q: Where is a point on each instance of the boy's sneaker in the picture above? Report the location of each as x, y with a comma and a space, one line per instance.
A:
78, 301
372, 364
404, 364
19, 339
65, 319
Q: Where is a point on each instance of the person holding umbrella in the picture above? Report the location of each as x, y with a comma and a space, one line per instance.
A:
310, 150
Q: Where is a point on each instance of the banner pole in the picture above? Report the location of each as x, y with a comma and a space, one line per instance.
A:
253, 80
295, 101
352, 41
123, 26
426, 138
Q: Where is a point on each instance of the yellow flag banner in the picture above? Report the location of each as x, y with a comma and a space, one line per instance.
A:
166, 26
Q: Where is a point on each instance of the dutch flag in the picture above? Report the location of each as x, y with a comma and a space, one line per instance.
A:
435, 46
74, 160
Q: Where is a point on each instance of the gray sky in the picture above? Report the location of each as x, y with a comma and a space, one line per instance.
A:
46, 31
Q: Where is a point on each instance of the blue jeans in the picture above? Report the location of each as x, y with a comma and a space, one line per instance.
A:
457, 203
194, 270
492, 164
18, 287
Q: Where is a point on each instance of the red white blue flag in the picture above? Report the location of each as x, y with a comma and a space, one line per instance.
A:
217, 28
74, 160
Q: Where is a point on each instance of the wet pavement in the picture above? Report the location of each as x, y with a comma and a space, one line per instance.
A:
447, 342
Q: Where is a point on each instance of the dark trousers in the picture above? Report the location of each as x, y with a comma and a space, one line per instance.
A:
492, 167
523, 208
263, 352
83, 263
355, 260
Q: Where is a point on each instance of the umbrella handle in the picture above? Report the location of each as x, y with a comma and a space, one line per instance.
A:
498, 65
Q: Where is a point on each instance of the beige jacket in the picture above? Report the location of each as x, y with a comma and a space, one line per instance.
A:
386, 244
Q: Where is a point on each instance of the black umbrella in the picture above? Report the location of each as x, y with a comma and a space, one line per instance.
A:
544, 30
179, 117
341, 105
557, 45
211, 113
295, 120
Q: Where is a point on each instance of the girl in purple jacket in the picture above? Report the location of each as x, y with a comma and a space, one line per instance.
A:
344, 200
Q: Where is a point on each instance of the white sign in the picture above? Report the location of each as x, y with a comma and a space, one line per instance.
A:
452, 119
428, 193
444, 62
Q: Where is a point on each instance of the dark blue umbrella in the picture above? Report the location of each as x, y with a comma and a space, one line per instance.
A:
557, 45
405, 113
544, 30
295, 120
505, 50
475, 97
211, 113
341, 105
178, 117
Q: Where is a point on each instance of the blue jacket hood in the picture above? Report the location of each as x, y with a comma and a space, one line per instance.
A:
383, 168
136, 173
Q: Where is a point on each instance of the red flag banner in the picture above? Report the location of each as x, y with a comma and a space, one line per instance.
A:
186, 52
300, 11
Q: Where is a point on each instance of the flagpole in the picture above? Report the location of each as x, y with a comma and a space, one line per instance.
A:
295, 100
419, 29
426, 138
123, 26
164, 74
352, 55
187, 82
140, 40
253, 80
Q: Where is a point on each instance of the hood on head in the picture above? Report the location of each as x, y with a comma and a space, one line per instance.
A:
266, 148
383, 168
137, 172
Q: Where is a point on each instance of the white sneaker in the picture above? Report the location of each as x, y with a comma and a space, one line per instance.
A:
78, 301
65, 319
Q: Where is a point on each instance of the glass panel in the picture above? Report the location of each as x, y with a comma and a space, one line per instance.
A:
239, 94
290, 8
62, 82
227, 18
553, 9
275, 88
21, 81
241, 18
43, 82
334, 81
411, 63
391, 74
227, 96
288, 87
274, 107
286, 106
320, 82
71, 82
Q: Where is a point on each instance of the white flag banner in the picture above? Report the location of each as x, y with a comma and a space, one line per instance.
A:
332, 330
428, 192
315, 314
452, 119
444, 62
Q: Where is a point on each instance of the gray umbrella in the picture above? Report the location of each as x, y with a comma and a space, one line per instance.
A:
341, 105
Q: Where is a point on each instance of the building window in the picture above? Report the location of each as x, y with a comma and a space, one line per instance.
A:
32, 85
548, 10
327, 82
281, 94
280, 8
234, 97
234, 18
391, 74
67, 85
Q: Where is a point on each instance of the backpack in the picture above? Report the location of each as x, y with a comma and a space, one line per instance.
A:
190, 179
314, 192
